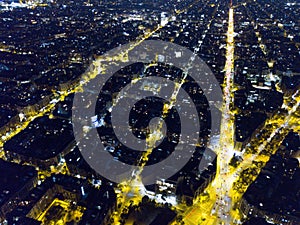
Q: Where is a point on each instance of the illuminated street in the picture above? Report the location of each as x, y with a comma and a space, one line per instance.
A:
51, 50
